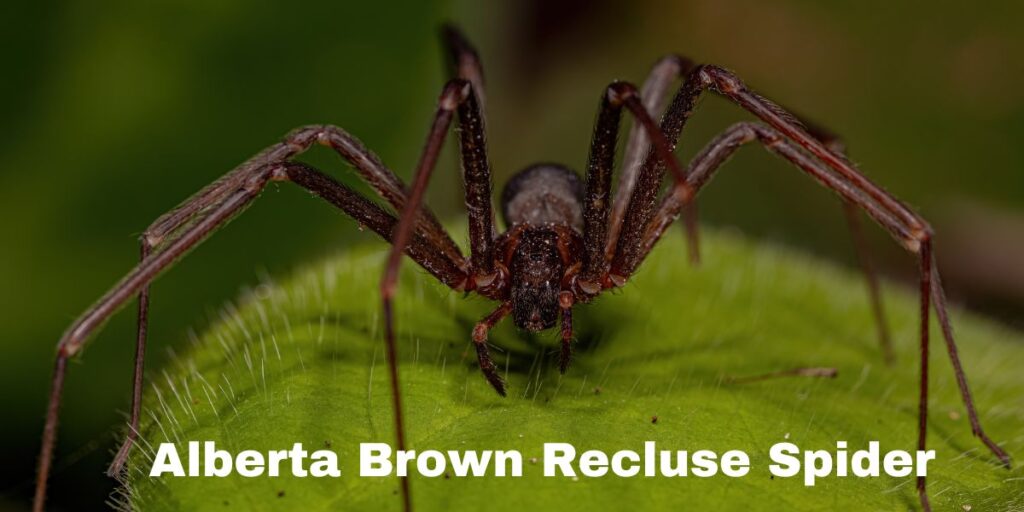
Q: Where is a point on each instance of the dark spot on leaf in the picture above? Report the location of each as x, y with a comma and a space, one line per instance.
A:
280, 494
654, 419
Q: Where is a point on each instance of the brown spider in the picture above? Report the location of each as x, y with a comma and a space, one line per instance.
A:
567, 240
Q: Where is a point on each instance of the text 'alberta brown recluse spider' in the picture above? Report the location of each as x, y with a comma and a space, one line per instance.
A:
567, 240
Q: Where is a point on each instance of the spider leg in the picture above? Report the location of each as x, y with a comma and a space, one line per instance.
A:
483, 276
75, 337
640, 208
820, 142
566, 354
369, 168
917, 238
483, 355
367, 165
464, 60
617, 96
860, 244
415, 246
730, 86
922, 402
476, 172
374, 173
175, 233
867, 267
594, 277
654, 91
142, 325
600, 162
476, 176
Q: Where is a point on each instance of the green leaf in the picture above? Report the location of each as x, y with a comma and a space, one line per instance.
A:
304, 362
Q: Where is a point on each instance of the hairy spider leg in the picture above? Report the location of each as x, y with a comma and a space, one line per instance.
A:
655, 96
916, 237
860, 245
368, 167
640, 161
175, 233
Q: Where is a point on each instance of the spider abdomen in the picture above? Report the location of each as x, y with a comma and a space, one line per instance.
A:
544, 194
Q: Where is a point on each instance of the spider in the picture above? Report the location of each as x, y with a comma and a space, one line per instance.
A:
568, 240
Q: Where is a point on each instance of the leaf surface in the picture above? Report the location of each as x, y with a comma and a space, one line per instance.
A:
303, 361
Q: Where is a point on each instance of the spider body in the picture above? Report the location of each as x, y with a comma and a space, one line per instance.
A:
543, 207
567, 241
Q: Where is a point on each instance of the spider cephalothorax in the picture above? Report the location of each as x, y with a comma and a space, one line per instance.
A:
567, 240
537, 267
542, 206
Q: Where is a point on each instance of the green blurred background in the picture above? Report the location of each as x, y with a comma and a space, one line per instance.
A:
114, 113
